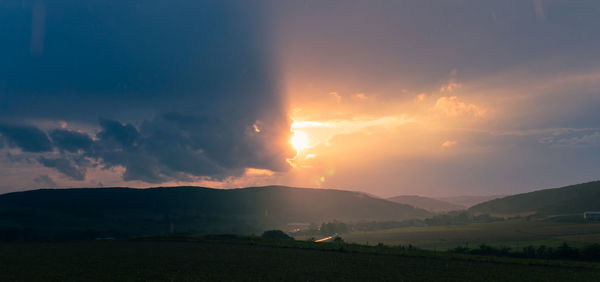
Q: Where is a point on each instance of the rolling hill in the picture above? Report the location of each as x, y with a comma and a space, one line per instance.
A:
135, 212
425, 203
467, 200
565, 200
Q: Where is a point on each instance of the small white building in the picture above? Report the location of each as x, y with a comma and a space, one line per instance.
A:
592, 215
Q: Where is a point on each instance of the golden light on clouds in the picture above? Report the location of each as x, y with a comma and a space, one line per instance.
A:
319, 144
449, 143
361, 96
340, 132
450, 87
452, 107
256, 128
258, 172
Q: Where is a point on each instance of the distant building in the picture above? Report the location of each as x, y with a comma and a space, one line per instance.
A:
592, 215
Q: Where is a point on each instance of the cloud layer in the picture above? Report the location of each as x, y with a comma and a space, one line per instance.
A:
168, 90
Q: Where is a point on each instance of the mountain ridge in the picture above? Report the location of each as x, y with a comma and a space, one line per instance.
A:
427, 203
575, 198
190, 209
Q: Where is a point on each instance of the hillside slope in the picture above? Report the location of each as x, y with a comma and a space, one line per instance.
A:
570, 199
425, 203
188, 209
469, 200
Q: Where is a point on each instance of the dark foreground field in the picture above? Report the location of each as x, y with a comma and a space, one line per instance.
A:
515, 233
263, 260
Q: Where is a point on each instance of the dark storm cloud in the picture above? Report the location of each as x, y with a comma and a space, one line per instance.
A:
28, 138
173, 146
65, 166
177, 87
71, 141
159, 151
123, 59
115, 134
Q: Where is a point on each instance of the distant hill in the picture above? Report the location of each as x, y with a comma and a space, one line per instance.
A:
570, 199
126, 211
469, 201
425, 203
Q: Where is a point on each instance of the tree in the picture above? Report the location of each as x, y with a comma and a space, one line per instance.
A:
276, 234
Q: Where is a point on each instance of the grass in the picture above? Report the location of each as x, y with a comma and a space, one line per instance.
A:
248, 258
219, 258
515, 233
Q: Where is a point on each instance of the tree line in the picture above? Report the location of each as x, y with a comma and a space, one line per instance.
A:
564, 251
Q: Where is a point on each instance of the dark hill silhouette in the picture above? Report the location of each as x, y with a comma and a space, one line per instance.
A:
468, 200
133, 212
565, 200
425, 203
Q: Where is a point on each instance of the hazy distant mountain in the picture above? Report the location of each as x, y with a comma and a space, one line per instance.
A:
425, 203
468, 201
570, 199
188, 209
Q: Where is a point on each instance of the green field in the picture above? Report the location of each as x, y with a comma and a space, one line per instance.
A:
263, 260
515, 233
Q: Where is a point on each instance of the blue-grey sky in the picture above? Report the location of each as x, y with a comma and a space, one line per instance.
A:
392, 97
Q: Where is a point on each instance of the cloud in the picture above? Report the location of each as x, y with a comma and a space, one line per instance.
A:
452, 107
118, 135
45, 180
361, 96
65, 166
450, 87
165, 91
172, 147
28, 138
449, 143
584, 141
258, 172
71, 141
542, 131
169, 147
321, 132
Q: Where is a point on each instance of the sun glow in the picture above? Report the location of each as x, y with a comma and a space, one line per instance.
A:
299, 141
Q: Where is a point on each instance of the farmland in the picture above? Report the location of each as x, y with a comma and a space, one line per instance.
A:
251, 258
515, 233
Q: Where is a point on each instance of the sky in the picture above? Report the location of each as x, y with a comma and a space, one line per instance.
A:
433, 98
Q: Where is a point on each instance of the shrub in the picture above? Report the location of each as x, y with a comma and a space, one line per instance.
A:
460, 250
591, 252
276, 234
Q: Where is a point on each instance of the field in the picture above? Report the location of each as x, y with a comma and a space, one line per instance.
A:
515, 233
260, 260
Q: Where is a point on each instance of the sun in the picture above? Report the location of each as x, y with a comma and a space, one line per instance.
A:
299, 141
